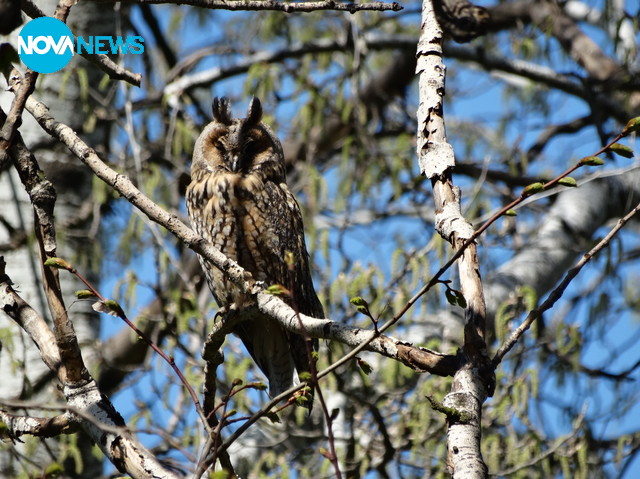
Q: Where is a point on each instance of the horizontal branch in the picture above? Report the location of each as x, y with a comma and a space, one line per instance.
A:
18, 425
287, 7
417, 358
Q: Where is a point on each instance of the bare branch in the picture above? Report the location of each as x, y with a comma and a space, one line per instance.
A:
18, 425
557, 293
474, 380
277, 6
43, 196
22, 87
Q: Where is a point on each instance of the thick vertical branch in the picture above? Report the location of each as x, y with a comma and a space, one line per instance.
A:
436, 157
43, 198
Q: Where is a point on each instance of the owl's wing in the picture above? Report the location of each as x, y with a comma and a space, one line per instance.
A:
304, 294
273, 226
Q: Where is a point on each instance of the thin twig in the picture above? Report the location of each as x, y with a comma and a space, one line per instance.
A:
331, 455
557, 293
111, 307
436, 277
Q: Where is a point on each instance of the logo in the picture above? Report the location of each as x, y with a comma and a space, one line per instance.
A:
46, 45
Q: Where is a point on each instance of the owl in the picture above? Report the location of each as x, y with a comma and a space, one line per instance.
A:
238, 200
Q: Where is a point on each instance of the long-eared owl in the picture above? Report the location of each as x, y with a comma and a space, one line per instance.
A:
239, 201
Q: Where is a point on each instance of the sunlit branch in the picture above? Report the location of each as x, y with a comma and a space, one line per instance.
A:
102, 422
287, 7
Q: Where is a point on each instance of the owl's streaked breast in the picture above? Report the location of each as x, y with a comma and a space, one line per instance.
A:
228, 210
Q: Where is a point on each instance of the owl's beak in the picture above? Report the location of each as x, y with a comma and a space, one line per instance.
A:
235, 163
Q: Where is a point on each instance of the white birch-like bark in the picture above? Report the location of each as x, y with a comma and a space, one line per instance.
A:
463, 405
23, 372
464, 432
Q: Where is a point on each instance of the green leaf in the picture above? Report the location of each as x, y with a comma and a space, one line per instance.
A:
325, 453
591, 161
358, 301
622, 150
631, 126
231, 412
532, 189
110, 307
510, 212
277, 290
304, 376
258, 386
84, 294
361, 305
53, 470
455, 298
529, 297
568, 181
58, 263
218, 474
113, 305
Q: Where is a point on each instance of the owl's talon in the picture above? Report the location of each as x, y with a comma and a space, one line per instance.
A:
221, 313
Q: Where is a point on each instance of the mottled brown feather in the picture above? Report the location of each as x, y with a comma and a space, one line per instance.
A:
239, 201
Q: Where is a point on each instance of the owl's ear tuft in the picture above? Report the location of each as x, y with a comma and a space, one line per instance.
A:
221, 110
254, 113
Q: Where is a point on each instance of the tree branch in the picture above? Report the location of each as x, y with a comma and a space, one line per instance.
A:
277, 6
475, 379
557, 293
18, 425
120, 447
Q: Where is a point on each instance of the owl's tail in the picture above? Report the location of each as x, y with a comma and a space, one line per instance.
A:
276, 352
